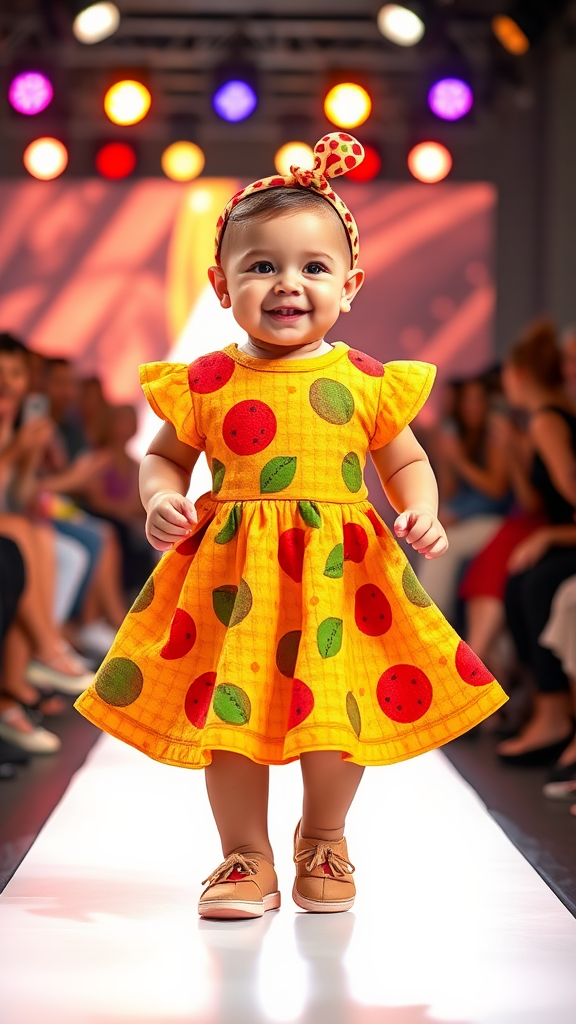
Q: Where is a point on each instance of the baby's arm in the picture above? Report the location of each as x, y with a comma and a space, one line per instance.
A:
410, 486
164, 481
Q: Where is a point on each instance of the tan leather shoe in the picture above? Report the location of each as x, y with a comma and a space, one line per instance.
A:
323, 882
244, 885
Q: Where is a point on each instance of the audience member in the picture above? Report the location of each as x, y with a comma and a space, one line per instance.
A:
560, 636
474, 482
532, 379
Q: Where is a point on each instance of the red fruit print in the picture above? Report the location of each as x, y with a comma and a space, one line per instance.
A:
378, 527
210, 373
249, 427
404, 693
191, 544
470, 668
355, 542
368, 365
301, 704
291, 552
182, 636
198, 699
372, 610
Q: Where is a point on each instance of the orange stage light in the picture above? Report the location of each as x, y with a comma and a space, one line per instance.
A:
510, 35
297, 153
45, 158
127, 102
347, 105
183, 161
430, 162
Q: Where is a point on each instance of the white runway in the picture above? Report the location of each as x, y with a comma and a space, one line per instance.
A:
451, 924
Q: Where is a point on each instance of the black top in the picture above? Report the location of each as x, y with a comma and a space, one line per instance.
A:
556, 508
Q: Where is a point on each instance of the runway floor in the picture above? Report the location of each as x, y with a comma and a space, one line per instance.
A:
451, 924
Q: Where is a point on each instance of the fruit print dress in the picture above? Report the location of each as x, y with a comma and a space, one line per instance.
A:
290, 619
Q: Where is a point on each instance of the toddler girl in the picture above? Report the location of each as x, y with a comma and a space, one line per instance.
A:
284, 621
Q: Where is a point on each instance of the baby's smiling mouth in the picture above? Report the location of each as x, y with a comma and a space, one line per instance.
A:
286, 312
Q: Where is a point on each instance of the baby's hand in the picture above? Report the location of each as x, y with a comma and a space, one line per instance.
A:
170, 517
422, 529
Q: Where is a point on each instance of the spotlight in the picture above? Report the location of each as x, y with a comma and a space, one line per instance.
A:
115, 160
30, 92
347, 105
45, 158
510, 35
183, 161
369, 167
96, 23
450, 99
400, 25
127, 102
297, 153
234, 100
429, 162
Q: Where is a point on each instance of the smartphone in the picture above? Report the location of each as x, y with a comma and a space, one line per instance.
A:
35, 406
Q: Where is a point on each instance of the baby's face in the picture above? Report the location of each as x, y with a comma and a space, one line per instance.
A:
287, 278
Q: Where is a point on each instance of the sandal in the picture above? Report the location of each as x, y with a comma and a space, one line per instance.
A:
561, 784
34, 739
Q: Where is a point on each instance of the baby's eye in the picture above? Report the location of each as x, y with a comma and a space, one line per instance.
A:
264, 267
315, 268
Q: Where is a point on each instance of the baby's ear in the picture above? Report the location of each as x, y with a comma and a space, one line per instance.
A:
352, 286
218, 281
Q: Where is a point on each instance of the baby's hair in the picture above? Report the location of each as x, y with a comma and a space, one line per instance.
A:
537, 352
273, 202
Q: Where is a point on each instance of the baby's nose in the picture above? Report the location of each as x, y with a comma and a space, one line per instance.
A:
288, 286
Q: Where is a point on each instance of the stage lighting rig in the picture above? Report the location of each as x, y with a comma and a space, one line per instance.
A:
96, 22
347, 105
429, 162
115, 160
525, 23
400, 24
30, 92
127, 102
45, 158
450, 98
298, 153
182, 161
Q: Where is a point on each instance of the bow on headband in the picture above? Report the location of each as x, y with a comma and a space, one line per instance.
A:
335, 154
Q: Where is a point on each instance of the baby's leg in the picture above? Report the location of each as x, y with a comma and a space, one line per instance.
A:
238, 793
330, 784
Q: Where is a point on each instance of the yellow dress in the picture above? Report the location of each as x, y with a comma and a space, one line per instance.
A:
290, 620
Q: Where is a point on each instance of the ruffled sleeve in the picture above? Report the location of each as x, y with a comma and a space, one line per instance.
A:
404, 389
167, 391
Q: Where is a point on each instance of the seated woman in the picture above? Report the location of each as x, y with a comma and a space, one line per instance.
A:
474, 483
113, 494
560, 636
532, 381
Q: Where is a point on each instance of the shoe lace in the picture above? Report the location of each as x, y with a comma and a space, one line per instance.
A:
246, 864
323, 853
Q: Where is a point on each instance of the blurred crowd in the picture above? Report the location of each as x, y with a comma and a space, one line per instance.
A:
72, 548
505, 457
73, 552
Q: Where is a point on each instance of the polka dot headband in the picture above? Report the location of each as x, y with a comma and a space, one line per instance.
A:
335, 154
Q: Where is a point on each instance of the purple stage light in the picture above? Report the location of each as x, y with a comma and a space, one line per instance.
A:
235, 100
450, 99
30, 92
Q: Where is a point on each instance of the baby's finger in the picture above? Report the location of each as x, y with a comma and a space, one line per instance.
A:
157, 542
426, 541
169, 527
172, 515
421, 527
436, 549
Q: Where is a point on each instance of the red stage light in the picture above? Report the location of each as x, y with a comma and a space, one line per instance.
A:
369, 167
115, 160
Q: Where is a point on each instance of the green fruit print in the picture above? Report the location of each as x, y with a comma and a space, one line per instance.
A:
277, 474
223, 599
145, 597
119, 682
242, 604
218, 471
310, 513
352, 472
413, 588
287, 652
232, 704
331, 400
329, 637
353, 712
230, 528
334, 567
